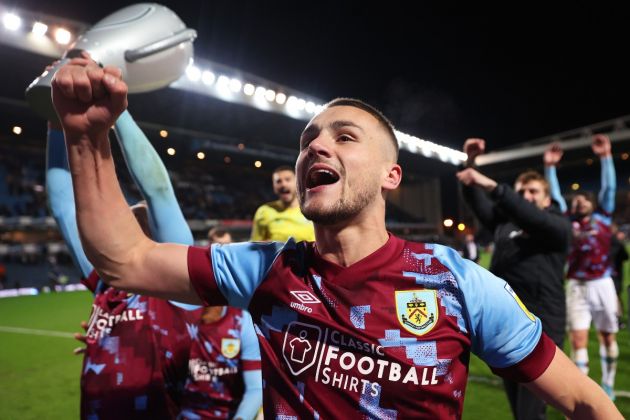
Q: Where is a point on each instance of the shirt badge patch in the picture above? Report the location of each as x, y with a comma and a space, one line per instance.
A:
417, 310
230, 347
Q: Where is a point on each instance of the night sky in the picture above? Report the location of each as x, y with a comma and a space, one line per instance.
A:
439, 74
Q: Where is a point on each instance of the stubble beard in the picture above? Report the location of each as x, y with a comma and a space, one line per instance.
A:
345, 208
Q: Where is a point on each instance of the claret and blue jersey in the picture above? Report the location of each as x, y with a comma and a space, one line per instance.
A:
390, 336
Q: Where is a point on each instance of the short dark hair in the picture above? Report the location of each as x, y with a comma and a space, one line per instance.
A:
531, 175
217, 232
589, 195
283, 168
357, 103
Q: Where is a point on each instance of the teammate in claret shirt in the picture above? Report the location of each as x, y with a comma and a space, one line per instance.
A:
139, 349
358, 323
591, 294
224, 379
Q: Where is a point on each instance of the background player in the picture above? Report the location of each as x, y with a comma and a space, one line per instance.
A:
591, 294
230, 383
280, 219
532, 239
224, 378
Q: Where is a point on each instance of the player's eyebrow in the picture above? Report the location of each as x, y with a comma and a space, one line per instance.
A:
344, 123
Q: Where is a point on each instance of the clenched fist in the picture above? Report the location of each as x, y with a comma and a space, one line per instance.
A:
553, 154
474, 147
88, 99
601, 145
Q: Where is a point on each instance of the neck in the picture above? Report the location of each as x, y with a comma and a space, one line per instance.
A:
347, 243
212, 314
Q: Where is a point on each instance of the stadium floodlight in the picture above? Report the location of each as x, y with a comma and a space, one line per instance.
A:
11, 21
39, 29
300, 104
201, 155
260, 92
63, 36
170, 151
17, 130
193, 73
309, 107
258, 164
448, 223
249, 89
270, 95
163, 134
208, 78
235, 85
281, 98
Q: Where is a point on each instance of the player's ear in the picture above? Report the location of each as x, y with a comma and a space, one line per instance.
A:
393, 177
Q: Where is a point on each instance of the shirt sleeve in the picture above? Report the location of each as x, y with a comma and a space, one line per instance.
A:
60, 197
166, 220
91, 281
231, 273
606, 195
250, 355
554, 188
258, 230
504, 333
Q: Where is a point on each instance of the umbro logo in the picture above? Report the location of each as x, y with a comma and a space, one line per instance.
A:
305, 296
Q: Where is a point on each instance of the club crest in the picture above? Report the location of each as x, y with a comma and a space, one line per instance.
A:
230, 347
417, 310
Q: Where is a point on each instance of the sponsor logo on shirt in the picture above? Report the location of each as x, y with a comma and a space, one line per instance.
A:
345, 362
230, 347
306, 298
204, 371
417, 310
102, 322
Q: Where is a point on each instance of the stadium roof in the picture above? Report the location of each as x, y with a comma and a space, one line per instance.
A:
438, 74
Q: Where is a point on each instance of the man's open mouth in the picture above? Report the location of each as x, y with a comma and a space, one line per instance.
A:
321, 175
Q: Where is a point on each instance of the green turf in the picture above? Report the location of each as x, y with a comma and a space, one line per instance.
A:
39, 375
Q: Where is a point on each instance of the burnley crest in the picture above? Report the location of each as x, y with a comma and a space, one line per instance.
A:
417, 310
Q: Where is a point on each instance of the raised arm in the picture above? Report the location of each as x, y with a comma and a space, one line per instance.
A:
551, 228
476, 187
61, 198
166, 220
602, 148
88, 100
472, 180
551, 157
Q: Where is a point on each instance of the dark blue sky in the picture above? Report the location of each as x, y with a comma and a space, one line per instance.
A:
442, 75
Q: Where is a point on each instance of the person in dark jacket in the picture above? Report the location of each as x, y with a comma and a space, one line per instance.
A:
617, 256
532, 239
